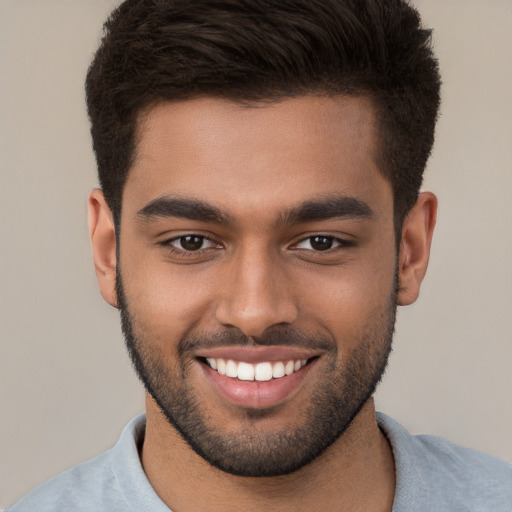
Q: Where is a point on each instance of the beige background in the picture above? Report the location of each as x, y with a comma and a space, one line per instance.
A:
66, 387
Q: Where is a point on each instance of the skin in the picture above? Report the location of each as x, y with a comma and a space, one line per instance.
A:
254, 164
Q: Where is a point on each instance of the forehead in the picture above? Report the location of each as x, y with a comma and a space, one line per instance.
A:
243, 157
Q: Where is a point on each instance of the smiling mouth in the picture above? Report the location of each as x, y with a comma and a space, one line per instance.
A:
261, 372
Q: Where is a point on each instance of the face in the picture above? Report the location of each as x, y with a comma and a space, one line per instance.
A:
256, 277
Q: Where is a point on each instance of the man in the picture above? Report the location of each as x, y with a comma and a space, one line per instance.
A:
258, 222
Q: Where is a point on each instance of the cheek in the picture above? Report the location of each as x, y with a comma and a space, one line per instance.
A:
348, 300
168, 300
165, 298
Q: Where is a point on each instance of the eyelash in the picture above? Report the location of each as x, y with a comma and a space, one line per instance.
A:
339, 244
186, 253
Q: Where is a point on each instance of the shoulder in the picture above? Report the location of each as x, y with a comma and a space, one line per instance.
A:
435, 474
101, 484
82, 488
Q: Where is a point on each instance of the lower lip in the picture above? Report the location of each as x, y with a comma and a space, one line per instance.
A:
255, 394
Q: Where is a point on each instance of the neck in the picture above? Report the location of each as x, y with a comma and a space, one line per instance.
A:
355, 473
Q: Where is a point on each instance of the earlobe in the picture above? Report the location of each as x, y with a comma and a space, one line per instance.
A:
103, 239
417, 233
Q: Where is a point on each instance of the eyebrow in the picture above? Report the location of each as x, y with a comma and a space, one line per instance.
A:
309, 211
327, 208
191, 209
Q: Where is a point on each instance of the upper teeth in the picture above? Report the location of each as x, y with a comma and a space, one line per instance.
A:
260, 371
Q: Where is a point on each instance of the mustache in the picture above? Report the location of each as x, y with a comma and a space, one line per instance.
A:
275, 336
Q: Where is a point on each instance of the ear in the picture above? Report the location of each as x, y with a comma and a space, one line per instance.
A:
103, 238
414, 253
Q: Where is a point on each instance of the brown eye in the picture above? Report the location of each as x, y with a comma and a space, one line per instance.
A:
191, 243
321, 243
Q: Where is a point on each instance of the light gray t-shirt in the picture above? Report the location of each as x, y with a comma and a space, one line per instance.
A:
432, 474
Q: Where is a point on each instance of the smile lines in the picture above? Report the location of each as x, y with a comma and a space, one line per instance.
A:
260, 372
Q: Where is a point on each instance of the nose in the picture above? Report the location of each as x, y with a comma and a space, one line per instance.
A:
255, 294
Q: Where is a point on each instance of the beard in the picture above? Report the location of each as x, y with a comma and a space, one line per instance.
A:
344, 389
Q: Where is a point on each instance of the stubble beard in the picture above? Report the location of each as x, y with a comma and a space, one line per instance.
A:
346, 388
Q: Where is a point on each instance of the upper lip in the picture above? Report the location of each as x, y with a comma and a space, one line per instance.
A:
258, 354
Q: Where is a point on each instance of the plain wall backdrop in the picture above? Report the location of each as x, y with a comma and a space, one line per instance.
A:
66, 386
